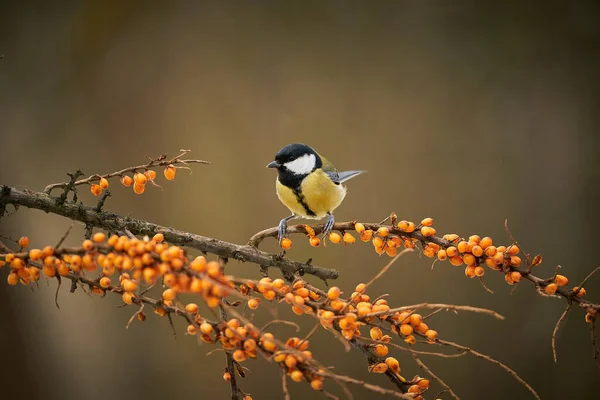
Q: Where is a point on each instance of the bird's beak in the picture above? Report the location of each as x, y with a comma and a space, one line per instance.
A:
273, 164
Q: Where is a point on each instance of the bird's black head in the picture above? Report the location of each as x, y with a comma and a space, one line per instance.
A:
294, 162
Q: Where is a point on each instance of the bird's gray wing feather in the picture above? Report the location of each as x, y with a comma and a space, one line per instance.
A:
346, 175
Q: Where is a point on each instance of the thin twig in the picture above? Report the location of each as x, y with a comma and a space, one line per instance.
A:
421, 364
563, 316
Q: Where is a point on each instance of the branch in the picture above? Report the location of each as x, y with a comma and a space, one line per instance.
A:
114, 223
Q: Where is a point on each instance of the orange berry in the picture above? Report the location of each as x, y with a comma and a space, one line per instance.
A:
415, 319
393, 364
239, 355
456, 261
551, 288
463, 247
191, 329
139, 188
334, 292
170, 172
406, 329
49, 271
316, 384
513, 250
168, 294
13, 278
286, 243
206, 328
103, 183
348, 238
423, 383
442, 255
427, 222
23, 242
98, 237
479, 271
297, 376
580, 292
126, 180
361, 288
515, 261
414, 389
150, 175
431, 335
410, 339
515, 276
366, 235
383, 231
105, 282
226, 376
561, 280
380, 368
469, 259
139, 178
35, 254
470, 271
335, 237
391, 251
452, 251
477, 251
253, 303
128, 285
490, 251
378, 242
314, 241
359, 228
87, 245
427, 231
95, 189
485, 242
375, 333
128, 297
158, 238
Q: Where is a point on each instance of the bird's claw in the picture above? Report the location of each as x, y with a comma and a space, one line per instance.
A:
328, 225
281, 230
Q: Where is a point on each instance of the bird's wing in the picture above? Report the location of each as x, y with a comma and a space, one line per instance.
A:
329, 169
347, 175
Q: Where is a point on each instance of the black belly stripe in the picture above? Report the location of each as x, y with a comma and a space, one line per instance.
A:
300, 198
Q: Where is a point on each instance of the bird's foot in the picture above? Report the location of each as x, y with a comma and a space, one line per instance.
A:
328, 225
282, 229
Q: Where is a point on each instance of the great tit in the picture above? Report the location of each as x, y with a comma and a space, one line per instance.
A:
308, 184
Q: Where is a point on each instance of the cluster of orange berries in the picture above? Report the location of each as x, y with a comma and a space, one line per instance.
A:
314, 240
138, 181
297, 295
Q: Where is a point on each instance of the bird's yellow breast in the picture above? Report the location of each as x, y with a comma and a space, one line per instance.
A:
318, 195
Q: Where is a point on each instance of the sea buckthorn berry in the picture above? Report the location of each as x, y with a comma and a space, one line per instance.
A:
485, 242
103, 183
23, 242
442, 255
139, 188
49, 271
469, 259
87, 245
427, 222
477, 251
479, 271
515, 261
513, 250
314, 241
383, 231
406, 329
13, 278
423, 383
35, 254
414, 389
335, 237
239, 355
380, 368
170, 172
199, 264
160, 311
561, 280
589, 318
422, 328
361, 288
391, 251
95, 189
158, 238
286, 243
474, 238
150, 174
456, 261
463, 247
515, 276
191, 329
129, 285
366, 235
508, 279
105, 282
126, 180
226, 376
452, 251
490, 251
316, 384
348, 238
429, 252
375, 333
140, 178
98, 237
431, 335
253, 303
206, 328
334, 292
297, 376
128, 297
451, 237
191, 308
415, 319
359, 228
378, 242
168, 294
470, 271
580, 291
393, 364
410, 339
551, 288
428, 231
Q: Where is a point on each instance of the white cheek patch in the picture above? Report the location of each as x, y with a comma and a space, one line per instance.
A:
302, 165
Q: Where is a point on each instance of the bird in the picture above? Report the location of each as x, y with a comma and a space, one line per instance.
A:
308, 185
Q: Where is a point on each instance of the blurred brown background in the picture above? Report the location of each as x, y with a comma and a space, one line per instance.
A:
465, 112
